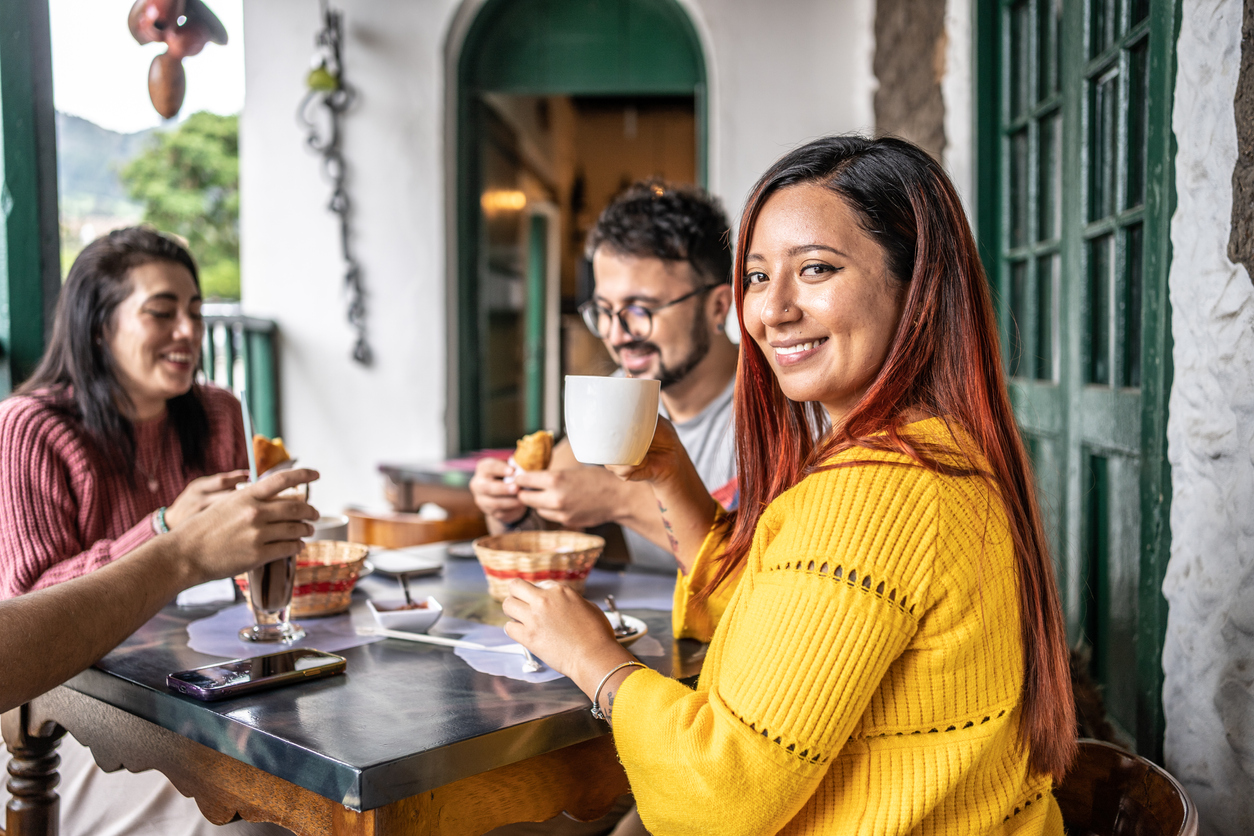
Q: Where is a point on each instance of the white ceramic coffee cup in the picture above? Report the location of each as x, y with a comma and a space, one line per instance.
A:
610, 420
330, 528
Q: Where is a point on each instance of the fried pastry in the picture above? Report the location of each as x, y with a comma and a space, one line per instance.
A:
534, 451
268, 453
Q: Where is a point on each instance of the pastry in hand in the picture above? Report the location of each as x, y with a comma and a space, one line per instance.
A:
534, 451
268, 453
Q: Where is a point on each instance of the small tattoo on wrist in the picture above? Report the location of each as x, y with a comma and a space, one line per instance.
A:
670, 531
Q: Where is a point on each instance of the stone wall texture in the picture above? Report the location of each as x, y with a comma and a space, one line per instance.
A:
1241, 240
1208, 659
909, 64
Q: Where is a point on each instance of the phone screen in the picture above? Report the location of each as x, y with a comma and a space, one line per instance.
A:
241, 676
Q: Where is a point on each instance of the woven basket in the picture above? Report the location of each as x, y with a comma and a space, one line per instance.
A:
562, 556
326, 572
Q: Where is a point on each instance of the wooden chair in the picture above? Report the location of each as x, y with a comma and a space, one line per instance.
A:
1111, 792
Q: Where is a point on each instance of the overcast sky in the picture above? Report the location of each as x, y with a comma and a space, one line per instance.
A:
100, 73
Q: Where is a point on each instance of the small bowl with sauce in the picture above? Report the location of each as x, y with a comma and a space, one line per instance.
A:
417, 617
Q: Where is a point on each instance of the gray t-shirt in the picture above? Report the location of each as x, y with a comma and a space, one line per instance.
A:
711, 444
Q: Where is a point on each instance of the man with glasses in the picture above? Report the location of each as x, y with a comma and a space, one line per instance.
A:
661, 264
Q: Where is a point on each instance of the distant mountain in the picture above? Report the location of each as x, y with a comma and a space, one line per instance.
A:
89, 159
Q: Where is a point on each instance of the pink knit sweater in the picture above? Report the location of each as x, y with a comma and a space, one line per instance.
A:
63, 512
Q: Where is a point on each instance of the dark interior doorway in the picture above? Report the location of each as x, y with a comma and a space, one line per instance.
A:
560, 105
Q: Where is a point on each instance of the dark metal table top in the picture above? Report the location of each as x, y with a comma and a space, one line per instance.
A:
406, 718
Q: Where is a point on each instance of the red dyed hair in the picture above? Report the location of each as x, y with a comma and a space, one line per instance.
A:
944, 361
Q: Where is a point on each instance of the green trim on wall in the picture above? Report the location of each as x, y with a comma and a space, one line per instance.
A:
533, 345
583, 47
986, 64
30, 270
552, 48
1156, 376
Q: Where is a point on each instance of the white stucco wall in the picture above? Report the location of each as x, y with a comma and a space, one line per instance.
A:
1209, 655
779, 74
956, 91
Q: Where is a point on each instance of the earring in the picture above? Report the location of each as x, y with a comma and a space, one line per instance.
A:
720, 328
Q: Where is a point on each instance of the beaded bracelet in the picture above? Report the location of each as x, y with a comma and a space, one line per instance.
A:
159, 523
596, 697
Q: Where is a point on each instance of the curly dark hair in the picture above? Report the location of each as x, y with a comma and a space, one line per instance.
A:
655, 219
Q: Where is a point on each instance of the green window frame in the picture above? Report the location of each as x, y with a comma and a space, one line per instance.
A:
30, 269
1074, 199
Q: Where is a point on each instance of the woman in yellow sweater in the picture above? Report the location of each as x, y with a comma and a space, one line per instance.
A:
892, 657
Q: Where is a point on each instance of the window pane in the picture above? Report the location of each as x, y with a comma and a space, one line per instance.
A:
1048, 55
1020, 77
1103, 100
1019, 188
1131, 304
1049, 185
1138, 114
1046, 279
1099, 309
1018, 314
1103, 25
1140, 11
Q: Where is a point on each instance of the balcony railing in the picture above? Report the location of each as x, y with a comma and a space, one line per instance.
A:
239, 354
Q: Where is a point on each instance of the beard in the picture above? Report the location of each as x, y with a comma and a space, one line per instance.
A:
670, 375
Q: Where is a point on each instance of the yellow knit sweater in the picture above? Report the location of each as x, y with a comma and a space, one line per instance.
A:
864, 679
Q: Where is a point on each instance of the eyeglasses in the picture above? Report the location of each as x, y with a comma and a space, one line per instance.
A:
636, 320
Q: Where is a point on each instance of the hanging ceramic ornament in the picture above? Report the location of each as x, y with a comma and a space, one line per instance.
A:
184, 26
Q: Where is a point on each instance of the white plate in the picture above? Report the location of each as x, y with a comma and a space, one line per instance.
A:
414, 561
634, 623
366, 568
464, 549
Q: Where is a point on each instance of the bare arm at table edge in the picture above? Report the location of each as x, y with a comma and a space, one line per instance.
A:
686, 508
84, 618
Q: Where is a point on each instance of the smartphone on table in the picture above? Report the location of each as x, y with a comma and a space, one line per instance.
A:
243, 676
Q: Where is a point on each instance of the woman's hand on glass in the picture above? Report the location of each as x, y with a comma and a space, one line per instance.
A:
568, 633
247, 527
200, 494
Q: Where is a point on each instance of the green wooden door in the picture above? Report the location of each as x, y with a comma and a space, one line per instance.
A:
545, 48
1074, 207
30, 270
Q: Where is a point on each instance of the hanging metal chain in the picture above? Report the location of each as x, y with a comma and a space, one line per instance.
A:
328, 91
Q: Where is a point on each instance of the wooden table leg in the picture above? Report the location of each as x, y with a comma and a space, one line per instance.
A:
34, 808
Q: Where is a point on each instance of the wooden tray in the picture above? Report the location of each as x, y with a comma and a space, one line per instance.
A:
396, 530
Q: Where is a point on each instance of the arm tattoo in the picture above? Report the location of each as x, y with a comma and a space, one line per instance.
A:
609, 708
670, 532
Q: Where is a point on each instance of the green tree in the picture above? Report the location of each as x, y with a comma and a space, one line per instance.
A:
188, 183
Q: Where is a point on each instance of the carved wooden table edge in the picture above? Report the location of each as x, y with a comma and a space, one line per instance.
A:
583, 779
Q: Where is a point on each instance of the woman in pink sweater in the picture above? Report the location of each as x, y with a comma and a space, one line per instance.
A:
110, 442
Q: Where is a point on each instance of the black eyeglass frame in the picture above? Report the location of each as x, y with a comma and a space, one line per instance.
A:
591, 313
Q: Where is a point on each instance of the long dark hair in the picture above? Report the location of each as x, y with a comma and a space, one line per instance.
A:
78, 373
943, 361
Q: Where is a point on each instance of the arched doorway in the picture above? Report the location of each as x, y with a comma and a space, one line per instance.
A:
558, 103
